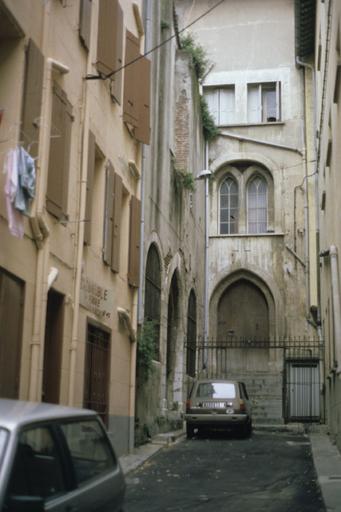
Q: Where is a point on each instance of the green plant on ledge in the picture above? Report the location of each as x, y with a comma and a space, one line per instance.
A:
209, 127
146, 349
199, 56
183, 180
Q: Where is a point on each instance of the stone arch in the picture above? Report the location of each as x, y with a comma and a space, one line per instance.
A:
242, 172
173, 329
245, 310
152, 293
242, 275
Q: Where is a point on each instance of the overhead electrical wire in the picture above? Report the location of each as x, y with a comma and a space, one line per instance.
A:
112, 73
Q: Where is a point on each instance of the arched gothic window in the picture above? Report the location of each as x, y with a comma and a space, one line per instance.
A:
257, 205
153, 294
191, 334
228, 207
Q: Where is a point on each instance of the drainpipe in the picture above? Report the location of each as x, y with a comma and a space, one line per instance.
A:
334, 269
140, 308
84, 149
207, 213
306, 191
205, 175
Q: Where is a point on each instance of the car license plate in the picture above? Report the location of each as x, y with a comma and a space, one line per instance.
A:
214, 405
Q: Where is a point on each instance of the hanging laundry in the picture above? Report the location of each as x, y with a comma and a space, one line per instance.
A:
19, 188
26, 181
15, 218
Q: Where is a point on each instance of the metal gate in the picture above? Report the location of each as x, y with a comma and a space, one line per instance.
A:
303, 390
298, 369
96, 378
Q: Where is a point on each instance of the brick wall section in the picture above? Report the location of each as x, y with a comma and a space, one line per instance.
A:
182, 131
184, 108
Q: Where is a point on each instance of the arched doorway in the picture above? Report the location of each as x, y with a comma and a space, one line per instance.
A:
172, 329
243, 315
152, 295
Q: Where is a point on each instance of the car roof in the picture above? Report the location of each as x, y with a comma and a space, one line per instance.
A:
15, 413
227, 381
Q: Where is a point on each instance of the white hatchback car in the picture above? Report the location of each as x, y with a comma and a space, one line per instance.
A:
56, 458
218, 405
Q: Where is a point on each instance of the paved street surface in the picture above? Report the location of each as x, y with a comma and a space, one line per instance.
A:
271, 472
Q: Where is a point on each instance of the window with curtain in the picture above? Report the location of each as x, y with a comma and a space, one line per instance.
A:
191, 334
228, 207
257, 208
264, 102
153, 294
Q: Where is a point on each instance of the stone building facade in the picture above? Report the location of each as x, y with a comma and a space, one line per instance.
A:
261, 284
173, 235
324, 55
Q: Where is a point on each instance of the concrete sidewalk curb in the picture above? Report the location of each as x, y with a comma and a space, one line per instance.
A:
327, 461
146, 451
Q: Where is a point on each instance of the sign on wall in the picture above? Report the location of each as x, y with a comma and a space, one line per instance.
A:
96, 298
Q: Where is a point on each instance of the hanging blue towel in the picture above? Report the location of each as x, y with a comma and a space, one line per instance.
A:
26, 181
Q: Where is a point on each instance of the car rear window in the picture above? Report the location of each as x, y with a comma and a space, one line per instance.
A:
216, 390
3, 440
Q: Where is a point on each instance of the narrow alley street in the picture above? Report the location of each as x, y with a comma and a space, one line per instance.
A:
271, 471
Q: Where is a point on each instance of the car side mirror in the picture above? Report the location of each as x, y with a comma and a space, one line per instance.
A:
25, 503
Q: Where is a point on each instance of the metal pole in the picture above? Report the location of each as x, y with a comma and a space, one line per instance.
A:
206, 290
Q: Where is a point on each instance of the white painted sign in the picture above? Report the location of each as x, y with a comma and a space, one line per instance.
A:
97, 299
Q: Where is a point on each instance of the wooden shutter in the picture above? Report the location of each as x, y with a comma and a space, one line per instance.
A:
32, 99
109, 39
59, 157
134, 242
89, 188
132, 80
11, 316
116, 80
108, 214
142, 131
117, 210
85, 22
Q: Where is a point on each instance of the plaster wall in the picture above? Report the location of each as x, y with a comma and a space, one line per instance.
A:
327, 55
54, 28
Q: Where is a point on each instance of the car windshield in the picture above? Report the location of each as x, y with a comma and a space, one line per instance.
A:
3, 440
216, 390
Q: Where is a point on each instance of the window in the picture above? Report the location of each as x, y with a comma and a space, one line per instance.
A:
228, 207
191, 334
37, 469
59, 158
96, 379
89, 449
216, 390
110, 44
89, 188
221, 104
245, 200
257, 205
112, 218
3, 442
85, 22
263, 102
153, 294
136, 98
12, 296
32, 98
134, 242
